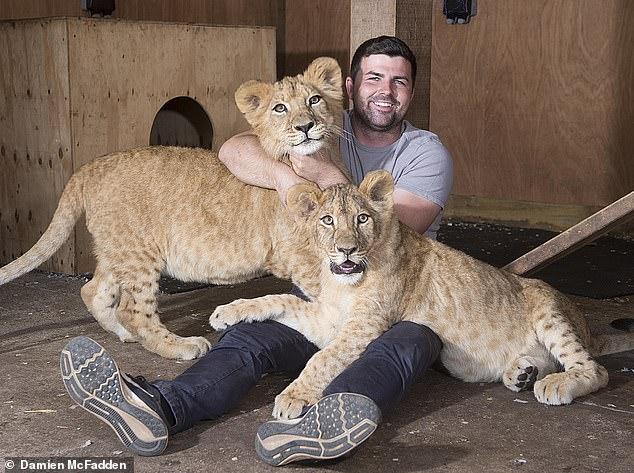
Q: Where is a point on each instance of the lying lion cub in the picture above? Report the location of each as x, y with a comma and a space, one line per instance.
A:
494, 325
181, 212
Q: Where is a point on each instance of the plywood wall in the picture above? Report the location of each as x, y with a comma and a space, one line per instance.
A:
316, 28
35, 135
536, 100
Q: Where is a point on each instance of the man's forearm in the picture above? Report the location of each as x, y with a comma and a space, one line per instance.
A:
245, 159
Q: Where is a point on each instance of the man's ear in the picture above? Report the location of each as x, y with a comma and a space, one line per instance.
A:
251, 95
325, 74
378, 186
349, 87
303, 199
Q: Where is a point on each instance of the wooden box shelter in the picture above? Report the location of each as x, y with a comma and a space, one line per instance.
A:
72, 89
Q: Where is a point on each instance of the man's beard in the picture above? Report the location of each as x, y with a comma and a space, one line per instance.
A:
375, 120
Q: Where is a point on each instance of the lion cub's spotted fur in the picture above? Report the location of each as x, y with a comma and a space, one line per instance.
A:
494, 325
180, 211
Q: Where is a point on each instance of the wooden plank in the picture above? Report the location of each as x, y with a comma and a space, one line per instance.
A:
19, 9
534, 108
371, 18
579, 235
35, 138
414, 26
316, 28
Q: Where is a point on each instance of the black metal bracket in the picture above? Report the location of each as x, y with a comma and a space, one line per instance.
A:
98, 7
459, 11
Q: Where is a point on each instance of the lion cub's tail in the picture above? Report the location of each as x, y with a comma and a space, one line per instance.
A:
613, 343
69, 209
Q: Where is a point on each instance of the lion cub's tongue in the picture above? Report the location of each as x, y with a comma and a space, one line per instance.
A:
347, 267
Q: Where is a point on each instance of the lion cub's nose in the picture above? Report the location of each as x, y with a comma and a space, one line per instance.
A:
305, 127
347, 251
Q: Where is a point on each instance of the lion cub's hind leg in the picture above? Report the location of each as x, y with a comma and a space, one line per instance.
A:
102, 297
137, 275
562, 330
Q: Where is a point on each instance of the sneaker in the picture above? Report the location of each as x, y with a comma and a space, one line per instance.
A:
332, 427
130, 406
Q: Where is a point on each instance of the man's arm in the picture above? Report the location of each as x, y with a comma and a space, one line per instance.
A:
414, 211
244, 157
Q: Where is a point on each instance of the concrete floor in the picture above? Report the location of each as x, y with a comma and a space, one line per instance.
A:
443, 425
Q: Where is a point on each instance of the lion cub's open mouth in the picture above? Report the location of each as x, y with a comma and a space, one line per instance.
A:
347, 267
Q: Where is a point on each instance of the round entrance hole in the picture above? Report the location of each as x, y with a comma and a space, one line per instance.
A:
182, 122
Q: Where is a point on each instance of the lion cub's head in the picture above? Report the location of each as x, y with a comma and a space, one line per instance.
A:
300, 114
350, 227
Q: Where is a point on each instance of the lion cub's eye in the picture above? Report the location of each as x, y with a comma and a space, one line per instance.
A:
327, 220
280, 108
362, 218
314, 100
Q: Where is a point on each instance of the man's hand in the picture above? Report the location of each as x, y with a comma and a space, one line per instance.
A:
317, 168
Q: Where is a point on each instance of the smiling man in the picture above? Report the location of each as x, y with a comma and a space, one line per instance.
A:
375, 136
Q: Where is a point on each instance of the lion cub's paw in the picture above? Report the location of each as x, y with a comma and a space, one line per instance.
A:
555, 389
228, 314
521, 375
290, 402
190, 348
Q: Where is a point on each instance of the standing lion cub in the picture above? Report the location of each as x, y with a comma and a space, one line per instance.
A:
181, 212
494, 325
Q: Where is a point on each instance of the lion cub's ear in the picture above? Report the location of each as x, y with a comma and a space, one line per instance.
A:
251, 95
303, 199
325, 74
378, 186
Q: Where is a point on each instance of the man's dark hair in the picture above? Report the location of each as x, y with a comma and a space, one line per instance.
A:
388, 45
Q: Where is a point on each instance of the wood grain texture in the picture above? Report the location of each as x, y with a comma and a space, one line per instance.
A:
35, 135
316, 28
535, 99
369, 19
19, 9
414, 26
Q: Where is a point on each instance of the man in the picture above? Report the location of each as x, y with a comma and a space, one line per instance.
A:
376, 136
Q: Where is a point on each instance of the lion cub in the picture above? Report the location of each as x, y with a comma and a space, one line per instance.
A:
494, 325
181, 212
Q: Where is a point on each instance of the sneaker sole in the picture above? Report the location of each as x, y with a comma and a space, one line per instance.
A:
93, 381
335, 425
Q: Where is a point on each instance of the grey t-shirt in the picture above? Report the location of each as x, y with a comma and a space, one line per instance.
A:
418, 162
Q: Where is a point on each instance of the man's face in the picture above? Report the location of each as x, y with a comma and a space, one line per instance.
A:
382, 91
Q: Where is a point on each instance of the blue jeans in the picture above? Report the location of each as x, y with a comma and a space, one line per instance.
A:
246, 351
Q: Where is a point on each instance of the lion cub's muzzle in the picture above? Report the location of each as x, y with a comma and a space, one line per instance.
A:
347, 267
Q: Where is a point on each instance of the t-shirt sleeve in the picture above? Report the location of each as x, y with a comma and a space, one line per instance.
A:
427, 171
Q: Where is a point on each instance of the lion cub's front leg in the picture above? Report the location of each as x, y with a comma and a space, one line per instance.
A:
327, 364
273, 306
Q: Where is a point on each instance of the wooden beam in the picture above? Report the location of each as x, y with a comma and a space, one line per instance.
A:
575, 237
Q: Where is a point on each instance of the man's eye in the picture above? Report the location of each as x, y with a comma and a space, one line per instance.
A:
327, 220
362, 218
314, 100
280, 108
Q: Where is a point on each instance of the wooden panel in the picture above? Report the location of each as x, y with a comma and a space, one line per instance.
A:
535, 99
35, 158
135, 67
413, 25
365, 23
316, 28
16, 9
